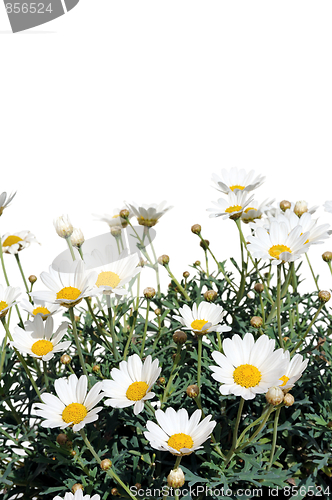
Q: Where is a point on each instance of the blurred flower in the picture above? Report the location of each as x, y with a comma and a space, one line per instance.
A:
5, 200
202, 319
39, 340
177, 433
131, 383
78, 495
39, 308
77, 238
8, 298
237, 180
114, 220
231, 207
73, 407
294, 369
248, 368
328, 206
14, 243
148, 215
63, 226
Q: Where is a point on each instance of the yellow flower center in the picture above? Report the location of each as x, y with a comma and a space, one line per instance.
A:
107, 278
284, 379
250, 208
40, 310
115, 216
198, 324
3, 305
42, 347
236, 186
11, 240
179, 441
276, 250
136, 391
69, 293
146, 222
234, 208
75, 413
247, 376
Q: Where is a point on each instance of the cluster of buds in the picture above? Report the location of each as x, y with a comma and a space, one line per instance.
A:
275, 396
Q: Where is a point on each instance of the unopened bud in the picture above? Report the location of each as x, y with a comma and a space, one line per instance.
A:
327, 256
179, 337
324, 296
32, 278
192, 391
96, 368
141, 263
116, 231
256, 321
163, 259
196, 229
186, 274
63, 226
61, 439
161, 381
197, 263
210, 295
300, 208
157, 311
175, 478
77, 238
124, 213
274, 396
288, 399
204, 244
114, 492
65, 359
284, 205
149, 292
73, 453
259, 287
76, 487
138, 486
105, 464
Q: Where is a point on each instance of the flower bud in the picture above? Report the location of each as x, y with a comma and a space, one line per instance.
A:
61, 439
114, 492
197, 263
32, 278
274, 396
157, 311
259, 287
256, 321
96, 368
138, 486
105, 464
186, 274
161, 381
192, 391
65, 359
73, 453
149, 292
179, 337
210, 295
327, 256
141, 263
63, 226
163, 259
175, 478
76, 487
204, 244
324, 296
116, 231
300, 208
124, 214
288, 399
77, 238
284, 205
196, 229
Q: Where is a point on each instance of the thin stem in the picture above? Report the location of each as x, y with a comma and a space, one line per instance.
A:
257, 431
45, 374
111, 325
219, 341
274, 440
77, 342
312, 272
180, 288
3, 353
101, 333
308, 329
235, 432
207, 263
70, 246
3, 264
22, 274
172, 375
243, 266
244, 432
281, 340
156, 263
110, 472
262, 309
177, 462
199, 360
145, 326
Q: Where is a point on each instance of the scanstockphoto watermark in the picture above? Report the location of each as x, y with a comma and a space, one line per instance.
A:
195, 491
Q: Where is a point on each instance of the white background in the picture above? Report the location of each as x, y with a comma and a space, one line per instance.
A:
144, 100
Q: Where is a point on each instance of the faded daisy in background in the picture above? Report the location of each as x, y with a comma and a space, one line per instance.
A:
237, 180
148, 215
114, 220
232, 206
15, 242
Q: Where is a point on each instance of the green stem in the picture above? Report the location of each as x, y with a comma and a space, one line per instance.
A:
207, 263
235, 432
70, 246
180, 288
77, 342
155, 263
199, 360
22, 274
172, 375
243, 265
219, 341
111, 325
145, 326
135, 313
281, 340
308, 329
3, 353
257, 431
45, 374
244, 432
101, 333
274, 440
3, 264
312, 272
110, 472
262, 309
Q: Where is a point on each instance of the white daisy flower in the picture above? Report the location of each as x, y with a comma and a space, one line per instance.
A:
112, 273
148, 215
15, 242
63, 226
316, 234
277, 245
8, 298
40, 307
237, 180
231, 207
131, 383
39, 340
294, 369
256, 210
5, 200
73, 407
66, 288
78, 495
202, 319
177, 433
115, 220
248, 368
